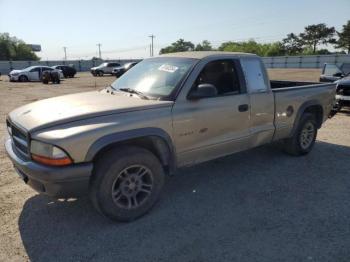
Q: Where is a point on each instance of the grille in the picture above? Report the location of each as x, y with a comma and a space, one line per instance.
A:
346, 92
19, 141
344, 89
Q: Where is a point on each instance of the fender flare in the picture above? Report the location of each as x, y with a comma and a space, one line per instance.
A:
301, 111
109, 139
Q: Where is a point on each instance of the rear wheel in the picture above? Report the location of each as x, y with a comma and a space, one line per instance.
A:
303, 140
126, 183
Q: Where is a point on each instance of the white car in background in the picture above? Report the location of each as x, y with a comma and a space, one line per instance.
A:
104, 68
32, 73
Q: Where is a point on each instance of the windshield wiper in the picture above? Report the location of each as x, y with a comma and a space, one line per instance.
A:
133, 91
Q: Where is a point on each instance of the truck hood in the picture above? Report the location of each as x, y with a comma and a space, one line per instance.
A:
63, 109
344, 81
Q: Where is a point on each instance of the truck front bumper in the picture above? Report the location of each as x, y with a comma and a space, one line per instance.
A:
59, 182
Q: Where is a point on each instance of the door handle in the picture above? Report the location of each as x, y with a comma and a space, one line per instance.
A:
243, 108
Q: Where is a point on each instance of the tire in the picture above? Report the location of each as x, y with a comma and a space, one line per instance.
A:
23, 79
129, 173
303, 140
100, 73
45, 82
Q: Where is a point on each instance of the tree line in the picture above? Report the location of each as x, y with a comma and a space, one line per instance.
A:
305, 43
12, 48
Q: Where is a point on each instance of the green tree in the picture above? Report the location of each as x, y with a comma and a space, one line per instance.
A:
315, 35
292, 44
344, 38
204, 46
12, 48
179, 46
251, 46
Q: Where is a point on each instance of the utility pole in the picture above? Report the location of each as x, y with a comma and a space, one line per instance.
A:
65, 53
99, 50
152, 48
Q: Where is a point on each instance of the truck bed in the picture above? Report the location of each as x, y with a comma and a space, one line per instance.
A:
277, 84
290, 94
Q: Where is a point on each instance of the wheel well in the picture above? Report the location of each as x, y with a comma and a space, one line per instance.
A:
26, 77
157, 145
317, 111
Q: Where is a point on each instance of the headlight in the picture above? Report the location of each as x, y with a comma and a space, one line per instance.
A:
48, 154
14, 74
9, 129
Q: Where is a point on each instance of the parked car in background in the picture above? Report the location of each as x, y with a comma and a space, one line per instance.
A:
32, 73
104, 68
119, 71
68, 71
176, 110
341, 76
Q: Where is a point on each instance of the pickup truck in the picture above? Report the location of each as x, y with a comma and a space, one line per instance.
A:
171, 111
340, 76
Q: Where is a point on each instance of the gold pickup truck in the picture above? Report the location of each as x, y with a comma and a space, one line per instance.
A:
175, 110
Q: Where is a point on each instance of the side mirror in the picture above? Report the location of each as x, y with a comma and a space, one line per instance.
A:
203, 91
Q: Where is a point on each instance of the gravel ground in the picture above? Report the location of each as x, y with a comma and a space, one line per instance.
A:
258, 205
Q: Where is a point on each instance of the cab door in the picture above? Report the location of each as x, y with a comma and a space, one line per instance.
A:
211, 127
34, 74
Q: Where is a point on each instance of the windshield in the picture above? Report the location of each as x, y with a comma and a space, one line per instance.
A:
346, 68
156, 77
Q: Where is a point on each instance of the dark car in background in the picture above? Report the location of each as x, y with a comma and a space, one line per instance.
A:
341, 76
120, 70
68, 71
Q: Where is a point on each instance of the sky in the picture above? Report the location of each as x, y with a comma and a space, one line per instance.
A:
123, 27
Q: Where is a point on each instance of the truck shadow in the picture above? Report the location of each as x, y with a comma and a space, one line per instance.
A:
260, 203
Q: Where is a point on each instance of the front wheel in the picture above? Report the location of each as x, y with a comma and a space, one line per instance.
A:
303, 140
126, 183
23, 79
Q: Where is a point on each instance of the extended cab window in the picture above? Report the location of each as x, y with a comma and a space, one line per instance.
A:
254, 74
222, 74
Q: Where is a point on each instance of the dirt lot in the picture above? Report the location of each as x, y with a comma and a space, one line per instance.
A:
259, 205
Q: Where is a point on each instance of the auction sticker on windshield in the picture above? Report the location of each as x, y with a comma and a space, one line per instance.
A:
168, 68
